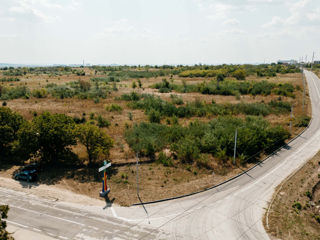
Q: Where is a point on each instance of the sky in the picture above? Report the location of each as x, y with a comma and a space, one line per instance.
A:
158, 31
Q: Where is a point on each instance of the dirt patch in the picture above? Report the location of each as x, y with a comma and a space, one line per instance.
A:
293, 214
155, 181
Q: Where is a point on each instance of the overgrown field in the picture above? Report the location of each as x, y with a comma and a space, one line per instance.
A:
180, 120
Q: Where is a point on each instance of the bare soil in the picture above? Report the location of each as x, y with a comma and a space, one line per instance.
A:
287, 221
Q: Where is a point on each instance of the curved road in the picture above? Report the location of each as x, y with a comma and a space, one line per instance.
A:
231, 211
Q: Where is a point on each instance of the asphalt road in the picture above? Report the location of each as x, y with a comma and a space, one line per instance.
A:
231, 211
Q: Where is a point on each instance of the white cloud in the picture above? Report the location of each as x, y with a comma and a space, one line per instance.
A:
231, 21
44, 10
122, 28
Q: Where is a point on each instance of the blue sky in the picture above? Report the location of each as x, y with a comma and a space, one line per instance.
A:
158, 31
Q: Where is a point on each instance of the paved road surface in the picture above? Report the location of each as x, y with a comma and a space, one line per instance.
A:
231, 211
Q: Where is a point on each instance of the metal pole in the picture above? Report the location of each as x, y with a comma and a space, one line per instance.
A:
304, 88
291, 118
235, 146
137, 170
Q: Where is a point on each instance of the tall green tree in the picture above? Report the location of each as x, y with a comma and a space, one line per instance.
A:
55, 135
10, 123
220, 78
97, 142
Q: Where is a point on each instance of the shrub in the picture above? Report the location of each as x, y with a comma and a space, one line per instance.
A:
239, 74
186, 150
164, 160
297, 205
102, 122
154, 116
133, 96
39, 93
113, 108
216, 137
302, 121
175, 99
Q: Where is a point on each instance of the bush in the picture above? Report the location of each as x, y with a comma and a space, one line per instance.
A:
164, 160
102, 122
297, 205
14, 93
133, 96
239, 74
302, 121
39, 93
255, 135
186, 150
154, 116
113, 108
175, 99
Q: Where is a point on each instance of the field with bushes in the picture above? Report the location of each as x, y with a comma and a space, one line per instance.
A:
179, 120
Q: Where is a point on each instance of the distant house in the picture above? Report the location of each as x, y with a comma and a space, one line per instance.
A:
317, 62
287, 62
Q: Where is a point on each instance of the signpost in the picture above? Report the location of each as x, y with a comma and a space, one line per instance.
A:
105, 189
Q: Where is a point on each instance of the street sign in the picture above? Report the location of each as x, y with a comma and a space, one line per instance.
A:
104, 167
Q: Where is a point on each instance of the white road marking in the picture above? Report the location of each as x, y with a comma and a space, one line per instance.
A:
95, 228
62, 237
36, 229
18, 224
45, 214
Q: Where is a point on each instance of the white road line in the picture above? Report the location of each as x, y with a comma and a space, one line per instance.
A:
18, 224
36, 229
95, 228
62, 237
63, 219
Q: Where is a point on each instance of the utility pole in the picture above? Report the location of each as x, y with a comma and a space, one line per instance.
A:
312, 60
235, 146
291, 119
137, 174
304, 88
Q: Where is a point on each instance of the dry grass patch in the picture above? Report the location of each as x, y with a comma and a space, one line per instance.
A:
293, 214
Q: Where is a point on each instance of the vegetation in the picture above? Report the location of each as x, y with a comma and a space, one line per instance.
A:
10, 124
155, 107
255, 136
50, 136
4, 235
230, 87
97, 143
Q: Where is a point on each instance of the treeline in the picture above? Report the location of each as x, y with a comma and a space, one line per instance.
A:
193, 144
156, 108
50, 138
238, 71
228, 87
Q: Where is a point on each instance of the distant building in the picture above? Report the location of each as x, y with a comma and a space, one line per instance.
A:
317, 62
287, 62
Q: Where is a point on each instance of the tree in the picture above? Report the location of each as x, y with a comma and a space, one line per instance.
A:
239, 74
55, 134
10, 124
220, 78
97, 142
3, 215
